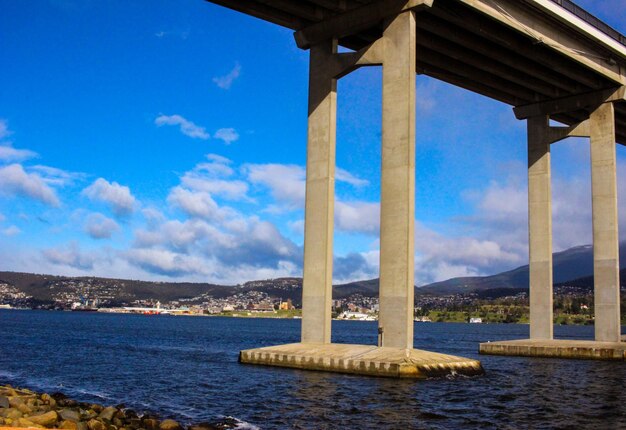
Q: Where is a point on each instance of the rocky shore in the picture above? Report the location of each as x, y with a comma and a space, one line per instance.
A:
27, 409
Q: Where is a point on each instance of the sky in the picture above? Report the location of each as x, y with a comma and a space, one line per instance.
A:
168, 143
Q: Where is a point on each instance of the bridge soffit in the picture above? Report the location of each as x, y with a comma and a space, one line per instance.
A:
588, 102
355, 21
527, 17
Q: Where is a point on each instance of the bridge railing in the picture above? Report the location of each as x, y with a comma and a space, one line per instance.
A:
592, 20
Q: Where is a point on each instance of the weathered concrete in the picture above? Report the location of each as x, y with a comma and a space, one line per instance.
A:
397, 208
540, 228
320, 197
362, 360
577, 349
605, 224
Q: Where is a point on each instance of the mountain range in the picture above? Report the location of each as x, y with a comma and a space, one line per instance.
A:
573, 266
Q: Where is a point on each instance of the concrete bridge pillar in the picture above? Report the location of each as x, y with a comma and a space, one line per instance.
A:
320, 196
540, 228
397, 215
605, 224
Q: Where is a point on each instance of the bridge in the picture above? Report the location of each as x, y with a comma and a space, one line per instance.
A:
549, 60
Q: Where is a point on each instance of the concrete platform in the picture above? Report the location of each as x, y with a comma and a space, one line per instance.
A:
362, 360
575, 349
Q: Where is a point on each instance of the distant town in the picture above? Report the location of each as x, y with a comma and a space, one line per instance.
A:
281, 298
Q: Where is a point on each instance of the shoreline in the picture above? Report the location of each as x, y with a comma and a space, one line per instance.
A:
563, 321
24, 408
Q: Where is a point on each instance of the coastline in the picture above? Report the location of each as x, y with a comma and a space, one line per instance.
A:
24, 408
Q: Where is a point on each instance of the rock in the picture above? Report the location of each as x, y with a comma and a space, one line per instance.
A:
170, 425
43, 408
69, 425
107, 413
4, 402
67, 403
48, 400
82, 425
150, 423
89, 415
13, 414
131, 414
24, 422
69, 415
47, 419
58, 396
24, 409
15, 401
94, 424
96, 407
203, 426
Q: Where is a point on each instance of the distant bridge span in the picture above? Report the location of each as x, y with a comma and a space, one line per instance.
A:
549, 59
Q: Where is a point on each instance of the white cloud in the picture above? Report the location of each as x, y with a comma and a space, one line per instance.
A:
195, 204
165, 262
342, 175
153, 216
4, 128
357, 217
286, 182
228, 135
231, 190
215, 158
57, 177
226, 81
296, 227
70, 256
9, 154
99, 226
119, 197
11, 231
14, 181
187, 127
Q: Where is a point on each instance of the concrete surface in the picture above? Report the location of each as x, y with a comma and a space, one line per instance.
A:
575, 349
397, 202
362, 360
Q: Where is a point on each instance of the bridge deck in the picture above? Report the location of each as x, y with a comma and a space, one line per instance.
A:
489, 47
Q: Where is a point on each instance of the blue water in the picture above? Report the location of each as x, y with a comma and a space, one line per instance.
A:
186, 368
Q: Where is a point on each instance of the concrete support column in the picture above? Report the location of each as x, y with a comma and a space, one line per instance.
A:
397, 215
540, 229
605, 234
320, 197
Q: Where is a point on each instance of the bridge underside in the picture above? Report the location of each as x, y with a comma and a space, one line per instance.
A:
478, 49
546, 58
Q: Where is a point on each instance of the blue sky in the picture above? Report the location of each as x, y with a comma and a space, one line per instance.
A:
168, 142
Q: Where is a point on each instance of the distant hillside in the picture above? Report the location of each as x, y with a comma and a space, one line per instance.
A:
44, 287
587, 281
573, 267
573, 263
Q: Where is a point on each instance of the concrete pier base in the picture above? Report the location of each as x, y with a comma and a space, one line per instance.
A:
362, 360
576, 349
